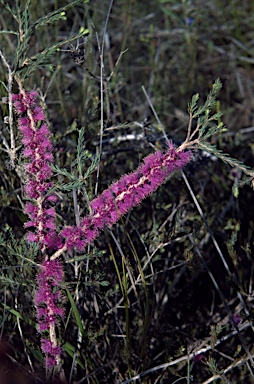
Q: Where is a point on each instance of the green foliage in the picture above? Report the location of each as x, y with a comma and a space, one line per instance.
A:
83, 156
22, 63
18, 315
86, 256
80, 171
76, 314
208, 125
18, 261
231, 244
210, 102
213, 367
71, 351
214, 333
17, 250
205, 127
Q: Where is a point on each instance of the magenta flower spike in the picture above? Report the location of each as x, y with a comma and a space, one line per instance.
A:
48, 300
38, 151
124, 194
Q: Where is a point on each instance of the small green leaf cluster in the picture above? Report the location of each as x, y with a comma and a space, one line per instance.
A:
204, 114
209, 124
17, 257
18, 249
212, 365
80, 172
214, 333
24, 65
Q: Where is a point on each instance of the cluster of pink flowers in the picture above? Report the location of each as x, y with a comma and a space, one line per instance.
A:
38, 151
124, 194
106, 209
48, 301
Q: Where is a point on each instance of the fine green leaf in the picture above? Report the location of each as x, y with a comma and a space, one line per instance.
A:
76, 313
18, 315
70, 349
224, 157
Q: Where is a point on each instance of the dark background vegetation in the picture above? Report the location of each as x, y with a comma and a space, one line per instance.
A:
174, 49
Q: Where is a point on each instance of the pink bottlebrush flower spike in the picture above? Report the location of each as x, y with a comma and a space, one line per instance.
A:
38, 151
124, 194
48, 300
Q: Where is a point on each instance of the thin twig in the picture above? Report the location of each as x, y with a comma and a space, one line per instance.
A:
187, 357
12, 150
155, 115
101, 49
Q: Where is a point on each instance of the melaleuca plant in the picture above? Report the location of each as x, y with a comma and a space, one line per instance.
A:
106, 208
